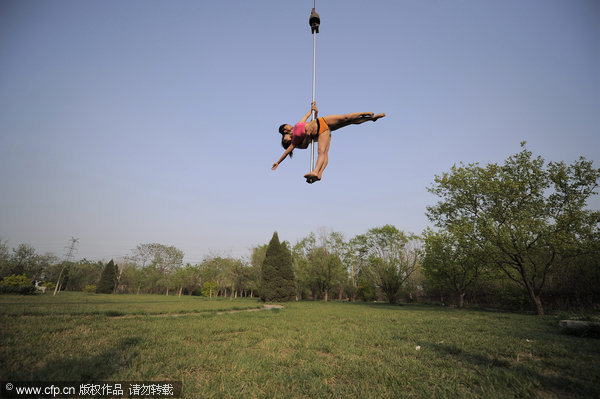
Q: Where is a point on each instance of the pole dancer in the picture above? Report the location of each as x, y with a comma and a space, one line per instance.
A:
303, 132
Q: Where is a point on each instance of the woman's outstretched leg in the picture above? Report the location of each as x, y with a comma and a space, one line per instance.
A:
338, 121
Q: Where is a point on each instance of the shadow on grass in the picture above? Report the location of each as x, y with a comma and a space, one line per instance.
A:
99, 367
548, 381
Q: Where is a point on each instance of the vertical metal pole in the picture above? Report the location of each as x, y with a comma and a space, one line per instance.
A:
312, 142
314, 21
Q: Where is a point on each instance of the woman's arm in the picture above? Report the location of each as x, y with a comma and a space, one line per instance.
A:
285, 154
313, 107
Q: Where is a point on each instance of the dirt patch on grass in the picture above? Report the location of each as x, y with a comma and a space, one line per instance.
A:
265, 307
130, 316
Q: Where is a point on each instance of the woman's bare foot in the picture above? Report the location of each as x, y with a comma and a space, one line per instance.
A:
377, 117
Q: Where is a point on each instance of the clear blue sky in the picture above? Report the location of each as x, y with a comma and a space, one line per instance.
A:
129, 122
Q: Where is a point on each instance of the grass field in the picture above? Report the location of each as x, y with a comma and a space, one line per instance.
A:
306, 350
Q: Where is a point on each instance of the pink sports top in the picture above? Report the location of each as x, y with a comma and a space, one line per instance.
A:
298, 134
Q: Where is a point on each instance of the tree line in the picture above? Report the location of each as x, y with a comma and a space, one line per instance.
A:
516, 235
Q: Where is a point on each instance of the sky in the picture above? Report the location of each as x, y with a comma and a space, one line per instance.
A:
141, 121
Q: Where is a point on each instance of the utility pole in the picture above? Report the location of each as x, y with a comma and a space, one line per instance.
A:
71, 249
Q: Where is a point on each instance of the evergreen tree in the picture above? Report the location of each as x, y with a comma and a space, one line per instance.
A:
277, 277
108, 279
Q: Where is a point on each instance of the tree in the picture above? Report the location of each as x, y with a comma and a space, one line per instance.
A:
575, 284
277, 278
302, 268
365, 287
159, 261
24, 260
390, 257
82, 274
209, 288
450, 265
4, 259
191, 278
325, 271
185, 277
132, 278
108, 279
528, 217
256, 260
258, 256
230, 275
318, 265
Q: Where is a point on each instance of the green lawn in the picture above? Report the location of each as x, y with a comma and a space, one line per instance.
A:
306, 350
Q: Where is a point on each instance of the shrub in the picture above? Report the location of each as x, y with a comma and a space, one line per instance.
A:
17, 284
90, 289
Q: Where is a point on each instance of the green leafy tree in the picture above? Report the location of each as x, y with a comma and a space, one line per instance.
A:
250, 274
365, 289
5, 265
24, 260
256, 260
449, 265
234, 276
82, 274
181, 278
527, 216
302, 269
258, 256
132, 278
230, 274
210, 288
108, 279
390, 256
152, 280
159, 262
575, 283
277, 278
190, 278
319, 265
210, 271
325, 271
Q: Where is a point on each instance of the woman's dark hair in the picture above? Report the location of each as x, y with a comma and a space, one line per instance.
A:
285, 144
281, 128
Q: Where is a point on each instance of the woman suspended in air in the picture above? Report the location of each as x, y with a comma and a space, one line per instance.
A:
301, 134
